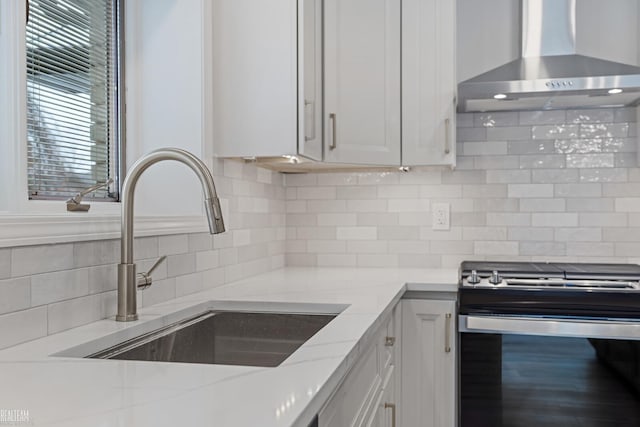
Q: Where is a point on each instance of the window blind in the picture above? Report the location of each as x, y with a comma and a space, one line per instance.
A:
71, 57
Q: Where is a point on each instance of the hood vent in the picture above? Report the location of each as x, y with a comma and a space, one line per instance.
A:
550, 75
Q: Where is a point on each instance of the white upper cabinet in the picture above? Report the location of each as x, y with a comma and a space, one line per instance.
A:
368, 82
362, 81
257, 95
428, 82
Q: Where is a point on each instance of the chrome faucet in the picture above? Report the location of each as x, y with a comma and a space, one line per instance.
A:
128, 280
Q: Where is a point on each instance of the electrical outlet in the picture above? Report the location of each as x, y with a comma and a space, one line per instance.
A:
440, 217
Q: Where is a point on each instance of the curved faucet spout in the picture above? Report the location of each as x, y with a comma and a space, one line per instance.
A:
127, 305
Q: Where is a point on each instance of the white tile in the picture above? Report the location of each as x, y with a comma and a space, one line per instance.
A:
451, 247
357, 192
41, 259
578, 234
516, 133
233, 168
543, 248
595, 115
495, 119
542, 161
314, 206
606, 160
357, 233
15, 294
412, 218
627, 249
22, 326
367, 247
484, 190
296, 246
207, 260
78, 311
603, 220
145, 247
241, 237
253, 252
496, 162
604, 130
177, 265
590, 249
398, 233
104, 278
379, 205
570, 146
531, 147
542, 117
469, 218
460, 177
496, 205
590, 205
419, 176
508, 219
530, 190
337, 179
377, 178
543, 205
326, 246
300, 179
316, 233
531, 234
464, 120
555, 176
337, 219
471, 134
200, 242
484, 233
175, 244
377, 260
488, 148
213, 278
100, 252
627, 204
337, 260
398, 191
409, 205
624, 114
160, 291
264, 176
630, 234
508, 176
316, 193
422, 261
408, 247
228, 256
50, 287
560, 131
189, 284
554, 219
381, 219
441, 191
5, 263
578, 190
304, 260
495, 248
428, 233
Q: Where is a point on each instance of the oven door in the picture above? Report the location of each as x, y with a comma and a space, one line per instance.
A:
534, 371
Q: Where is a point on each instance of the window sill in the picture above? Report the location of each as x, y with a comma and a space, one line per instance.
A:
39, 229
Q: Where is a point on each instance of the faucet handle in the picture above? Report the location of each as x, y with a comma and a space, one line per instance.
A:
145, 280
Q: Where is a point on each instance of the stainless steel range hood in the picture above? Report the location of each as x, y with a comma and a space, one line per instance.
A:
550, 75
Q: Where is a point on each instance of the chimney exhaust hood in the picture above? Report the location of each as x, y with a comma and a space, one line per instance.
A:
550, 75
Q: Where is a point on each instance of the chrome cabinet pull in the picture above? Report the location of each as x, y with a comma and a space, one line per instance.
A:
389, 341
310, 112
447, 137
447, 333
391, 406
334, 142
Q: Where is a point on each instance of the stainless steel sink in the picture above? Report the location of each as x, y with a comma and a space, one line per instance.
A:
223, 337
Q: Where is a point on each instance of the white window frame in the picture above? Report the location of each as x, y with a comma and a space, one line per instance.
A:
31, 222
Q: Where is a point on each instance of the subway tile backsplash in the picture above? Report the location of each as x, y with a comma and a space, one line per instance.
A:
536, 185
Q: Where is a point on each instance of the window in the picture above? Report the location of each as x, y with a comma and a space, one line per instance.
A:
73, 124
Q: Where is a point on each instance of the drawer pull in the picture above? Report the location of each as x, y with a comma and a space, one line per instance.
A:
334, 142
391, 406
389, 341
447, 137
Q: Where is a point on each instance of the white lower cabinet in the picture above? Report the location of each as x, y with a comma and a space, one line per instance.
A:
428, 364
368, 393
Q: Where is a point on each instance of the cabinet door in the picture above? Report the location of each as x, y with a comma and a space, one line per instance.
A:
428, 363
362, 81
428, 82
310, 78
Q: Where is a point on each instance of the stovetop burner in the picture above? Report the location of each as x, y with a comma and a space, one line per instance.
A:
555, 289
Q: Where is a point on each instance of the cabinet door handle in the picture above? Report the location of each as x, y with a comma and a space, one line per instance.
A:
391, 406
334, 142
447, 333
447, 136
309, 111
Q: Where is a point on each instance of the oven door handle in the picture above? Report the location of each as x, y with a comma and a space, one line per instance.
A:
582, 328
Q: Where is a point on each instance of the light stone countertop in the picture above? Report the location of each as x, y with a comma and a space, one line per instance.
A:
64, 391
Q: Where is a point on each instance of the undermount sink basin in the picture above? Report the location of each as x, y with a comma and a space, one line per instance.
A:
223, 337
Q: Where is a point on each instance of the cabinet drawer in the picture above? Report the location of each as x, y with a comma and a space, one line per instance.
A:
350, 402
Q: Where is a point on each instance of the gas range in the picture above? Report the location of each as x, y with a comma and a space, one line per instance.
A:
550, 289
